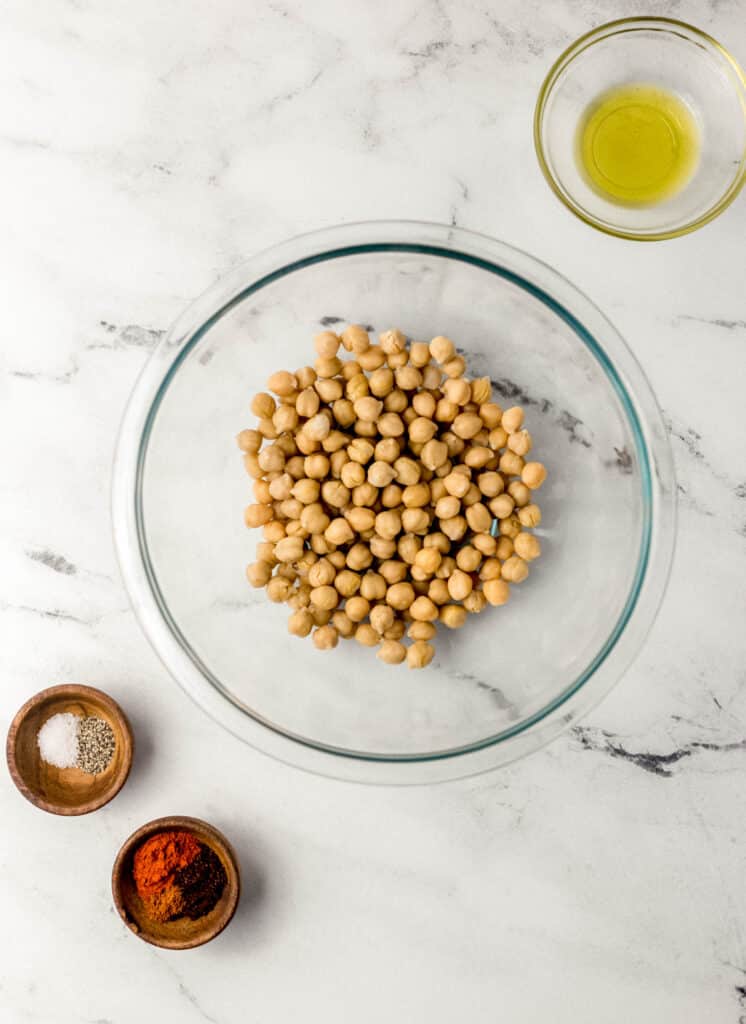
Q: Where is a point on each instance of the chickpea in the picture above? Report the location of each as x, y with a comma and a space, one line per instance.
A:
359, 557
294, 466
368, 408
274, 531
527, 546
434, 454
520, 442
504, 548
282, 382
360, 519
343, 624
381, 382
416, 495
419, 353
335, 493
392, 652
457, 391
343, 412
533, 475
360, 450
337, 460
529, 515
329, 390
459, 585
415, 520
325, 638
408, 378
300, 623
490, 484
422, 430
357, 387
306, 491
514, 569
347, 583
399, 595
468, 558
442, 349
320, 545
419, 630
502, 506
265, 552
454, 528
479, 518
467, 425
477, 456
257, 515
381, 548
263, 405
437, 540
447, 507
251, 465
281, 487
509, 527
388, 524
262, 492
259, 574
387, 450
357, 608
272, 459
407, 547
490, 414
392, 341
390, 425
278, 589
420, 654
381, 617
337, 559
423, 609
334, 442
497, 439
397, 401
267, 429
455, 367
325, 598
407, 471
320, 616
475, 602
445, 411
511, 464
285, 418
352, 474
391, 496
453, 616
437, 591
318, 427
314, 519
496, 591
428, 560
327, 368
289, 549
249, 441
423, 404
512, 419
366, 635
380, 474
316, 466
338, 532
457, 484
520, 494
326, 344
454, 443
484, 543
481, 391
364, 429
355, 339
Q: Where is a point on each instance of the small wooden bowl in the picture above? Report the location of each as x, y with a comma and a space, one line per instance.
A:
67, 790
182, 933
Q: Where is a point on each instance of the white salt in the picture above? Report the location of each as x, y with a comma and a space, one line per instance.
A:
58, 740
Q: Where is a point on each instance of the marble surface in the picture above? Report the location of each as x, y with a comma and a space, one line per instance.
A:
147, 148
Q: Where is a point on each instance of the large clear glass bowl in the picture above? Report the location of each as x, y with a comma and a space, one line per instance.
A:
514, 676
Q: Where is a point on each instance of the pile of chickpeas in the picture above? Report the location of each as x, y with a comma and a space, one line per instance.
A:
392, 492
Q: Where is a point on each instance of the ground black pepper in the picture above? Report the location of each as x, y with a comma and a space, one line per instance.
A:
201, 883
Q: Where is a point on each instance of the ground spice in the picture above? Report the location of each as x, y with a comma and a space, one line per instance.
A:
201, 883
159, 857
96, 745
177, 876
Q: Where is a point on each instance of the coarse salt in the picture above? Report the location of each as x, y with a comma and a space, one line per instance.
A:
58, 740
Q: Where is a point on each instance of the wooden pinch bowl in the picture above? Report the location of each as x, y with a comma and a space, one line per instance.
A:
182, 933
67, 790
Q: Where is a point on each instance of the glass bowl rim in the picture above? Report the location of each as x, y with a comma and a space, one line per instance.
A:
643, 417
575, 50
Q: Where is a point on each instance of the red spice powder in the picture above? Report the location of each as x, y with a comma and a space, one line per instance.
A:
159, 857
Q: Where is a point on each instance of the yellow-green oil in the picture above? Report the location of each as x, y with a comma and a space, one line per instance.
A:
638, 144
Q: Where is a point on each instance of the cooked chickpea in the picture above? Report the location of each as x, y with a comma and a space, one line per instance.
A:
428, 560
360, 450
388, 524
490, 414
510, 527
249, 441
502, 506
388, 449
272, 459
496, 591
457, 390
326, 344
262, 492
278, 589
392, 652
459, 584
251, 465
400, 595
320, 616
391, 496
454, 528
423, 609
434, 454
343, 412
457, 484
326, 598
514, 569
282, 383
259, 574
421, 430
511, 464
306, 491
431, 377
274, 531
475, 602
437, 591
327, 368
453, 616
504, 548
407, 471
479, 517
289, 549
352, 474
520, 494
490, 484
392, 341
442, 349
373, 586
382, 548
527, 546
381, 382
424, 404
381, 617
360, 519
325, 638
338, 532
484, 543
512, 419
359, 557
380, 474
468, 558
415, 520
421, 630
364, 429
314, 519
519, 442
533, 475
420, 654
334, 442
347, 583
445, 411
529, 515
318, 427
257, 515
390, 425
343, 624
281, 487
335, 493
366, 635
316, 466
408, 378
355, 339
437, 540
300, 623
329, 390
497, 438
263, 405
447, 507
368, 408
416, 495
467, 425
407, 547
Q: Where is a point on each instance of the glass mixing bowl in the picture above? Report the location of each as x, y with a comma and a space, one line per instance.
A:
514, 676
675, 57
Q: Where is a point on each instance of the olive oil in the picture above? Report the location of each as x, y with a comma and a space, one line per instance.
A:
638, 144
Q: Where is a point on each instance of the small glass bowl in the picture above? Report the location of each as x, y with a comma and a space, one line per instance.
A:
671, 55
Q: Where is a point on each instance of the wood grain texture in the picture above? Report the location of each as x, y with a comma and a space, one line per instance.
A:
181, 933
67, 791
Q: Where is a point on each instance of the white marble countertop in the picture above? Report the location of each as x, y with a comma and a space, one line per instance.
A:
148, 147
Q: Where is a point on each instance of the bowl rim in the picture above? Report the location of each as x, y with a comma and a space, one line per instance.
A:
646, 424
575, 50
